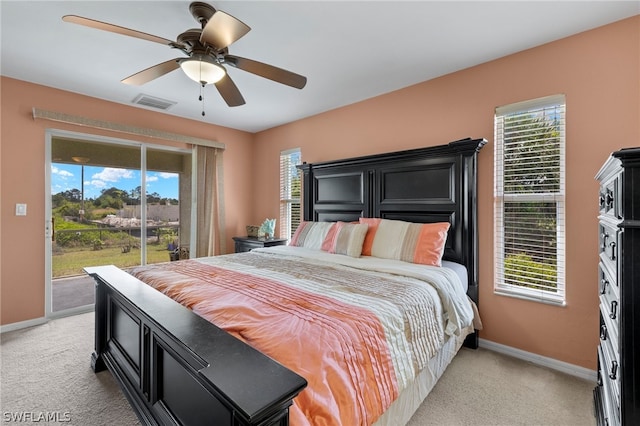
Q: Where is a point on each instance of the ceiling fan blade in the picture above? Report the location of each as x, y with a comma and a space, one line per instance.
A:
267, 71
152, 73
116, 29
229, 91
223, 29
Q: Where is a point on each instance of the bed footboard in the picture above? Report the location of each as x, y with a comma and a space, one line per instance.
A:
176, 367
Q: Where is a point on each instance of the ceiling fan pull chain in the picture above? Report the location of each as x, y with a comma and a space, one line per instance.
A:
202, 97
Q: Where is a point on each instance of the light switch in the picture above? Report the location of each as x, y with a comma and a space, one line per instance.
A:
21, 209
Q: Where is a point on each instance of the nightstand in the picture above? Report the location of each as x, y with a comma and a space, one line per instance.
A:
248, 243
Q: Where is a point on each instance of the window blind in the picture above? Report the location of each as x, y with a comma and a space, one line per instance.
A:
290, 189
529, 200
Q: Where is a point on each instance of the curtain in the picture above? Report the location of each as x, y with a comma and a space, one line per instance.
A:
211, 238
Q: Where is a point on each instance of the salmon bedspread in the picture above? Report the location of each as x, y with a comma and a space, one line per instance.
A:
358, 330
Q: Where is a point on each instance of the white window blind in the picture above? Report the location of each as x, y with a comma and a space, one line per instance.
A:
290, 188
529, 200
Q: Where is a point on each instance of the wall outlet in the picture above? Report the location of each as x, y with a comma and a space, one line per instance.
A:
21, 209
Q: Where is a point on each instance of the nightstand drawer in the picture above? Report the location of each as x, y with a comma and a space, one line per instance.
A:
243, 244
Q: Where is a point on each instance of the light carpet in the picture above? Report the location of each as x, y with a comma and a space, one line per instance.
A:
46, 374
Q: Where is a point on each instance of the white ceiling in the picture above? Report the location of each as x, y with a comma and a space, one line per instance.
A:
349, 51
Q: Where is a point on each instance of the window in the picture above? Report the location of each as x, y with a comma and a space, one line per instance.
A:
290, 213
529, 200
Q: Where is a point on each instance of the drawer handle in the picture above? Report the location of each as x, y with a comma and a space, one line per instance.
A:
603, 288
614, 370
613, 250
601, 201
604, 237
603, 332
614, 309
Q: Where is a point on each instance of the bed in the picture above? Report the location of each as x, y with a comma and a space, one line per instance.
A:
343, 326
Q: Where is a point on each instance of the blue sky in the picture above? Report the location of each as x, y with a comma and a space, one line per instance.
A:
68, 176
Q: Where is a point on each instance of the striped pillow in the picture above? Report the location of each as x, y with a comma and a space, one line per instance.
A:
410, 242
345, 238
310, 234
371, 233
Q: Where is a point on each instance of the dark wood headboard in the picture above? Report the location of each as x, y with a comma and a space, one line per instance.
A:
434, 184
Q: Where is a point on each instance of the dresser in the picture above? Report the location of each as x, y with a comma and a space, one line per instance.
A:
243, 244
617, 394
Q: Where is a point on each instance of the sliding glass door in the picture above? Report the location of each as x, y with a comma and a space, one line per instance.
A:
112, 202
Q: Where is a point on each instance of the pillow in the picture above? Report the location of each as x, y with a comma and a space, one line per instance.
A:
410, 242
310, 234
345, 238
329, 239
371, 233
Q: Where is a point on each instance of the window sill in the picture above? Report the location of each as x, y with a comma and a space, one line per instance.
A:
532, 296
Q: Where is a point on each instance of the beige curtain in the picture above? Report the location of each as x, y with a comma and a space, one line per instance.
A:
210, 202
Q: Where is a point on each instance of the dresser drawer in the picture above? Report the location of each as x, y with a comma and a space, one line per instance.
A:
609, 327
612, 370
610, 389
608, 334
609, 247
609, 199
607, 286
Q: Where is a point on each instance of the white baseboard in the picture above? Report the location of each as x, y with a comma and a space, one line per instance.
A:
554, 364
39, 321
22, 324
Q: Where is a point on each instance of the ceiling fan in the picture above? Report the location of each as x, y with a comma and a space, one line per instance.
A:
207, 51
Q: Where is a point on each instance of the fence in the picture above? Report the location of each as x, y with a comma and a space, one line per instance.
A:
103, 236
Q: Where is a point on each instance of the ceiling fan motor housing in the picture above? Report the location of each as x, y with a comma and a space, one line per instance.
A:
202, 12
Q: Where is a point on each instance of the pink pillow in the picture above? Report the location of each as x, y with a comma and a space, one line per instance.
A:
430, 246
330, 239
371, 233
421, 243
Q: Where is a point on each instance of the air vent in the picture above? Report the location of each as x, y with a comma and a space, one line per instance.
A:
150, 101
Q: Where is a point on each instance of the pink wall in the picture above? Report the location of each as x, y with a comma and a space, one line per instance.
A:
598, 71
22, 178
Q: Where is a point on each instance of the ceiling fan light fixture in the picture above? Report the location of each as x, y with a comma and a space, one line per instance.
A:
202, 69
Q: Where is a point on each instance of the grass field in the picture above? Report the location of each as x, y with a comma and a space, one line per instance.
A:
66, 262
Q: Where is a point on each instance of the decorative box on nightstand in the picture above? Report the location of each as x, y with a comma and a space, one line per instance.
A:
249, 243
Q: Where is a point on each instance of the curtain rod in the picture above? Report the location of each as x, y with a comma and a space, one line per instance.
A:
122, 128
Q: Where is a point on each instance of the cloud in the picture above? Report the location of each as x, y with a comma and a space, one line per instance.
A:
152, 178
96, 183
109, 174
165, 175
60, 172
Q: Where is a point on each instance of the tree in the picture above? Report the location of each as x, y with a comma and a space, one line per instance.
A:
153, 198
71, 195
531, 166
111, 198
